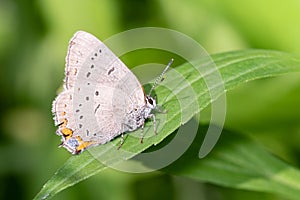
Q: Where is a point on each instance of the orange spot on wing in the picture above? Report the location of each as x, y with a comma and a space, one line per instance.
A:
82, 145
67, 133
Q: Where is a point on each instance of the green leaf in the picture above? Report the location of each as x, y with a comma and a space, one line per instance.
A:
235, 68
240, 163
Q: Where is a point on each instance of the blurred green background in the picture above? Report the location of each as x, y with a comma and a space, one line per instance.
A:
33, 41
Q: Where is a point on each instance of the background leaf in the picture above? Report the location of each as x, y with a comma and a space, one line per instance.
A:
238, 162
235, 67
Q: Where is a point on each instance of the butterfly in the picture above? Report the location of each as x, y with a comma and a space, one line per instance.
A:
101, 97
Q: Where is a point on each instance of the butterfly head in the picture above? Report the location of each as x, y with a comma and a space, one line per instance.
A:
150, 102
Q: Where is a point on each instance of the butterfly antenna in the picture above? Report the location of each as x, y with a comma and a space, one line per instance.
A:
161, 78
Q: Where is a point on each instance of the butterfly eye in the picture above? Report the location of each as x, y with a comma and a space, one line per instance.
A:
150, 101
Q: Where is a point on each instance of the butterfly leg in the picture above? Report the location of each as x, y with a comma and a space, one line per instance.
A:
122, 139
143, 125
154, 122
142, 133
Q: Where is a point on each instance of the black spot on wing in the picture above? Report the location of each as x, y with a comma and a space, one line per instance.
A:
88, 74
96, 109
110, 71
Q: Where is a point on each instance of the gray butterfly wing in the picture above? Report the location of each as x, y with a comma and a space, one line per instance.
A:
99, 92
81, 46
78, 51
